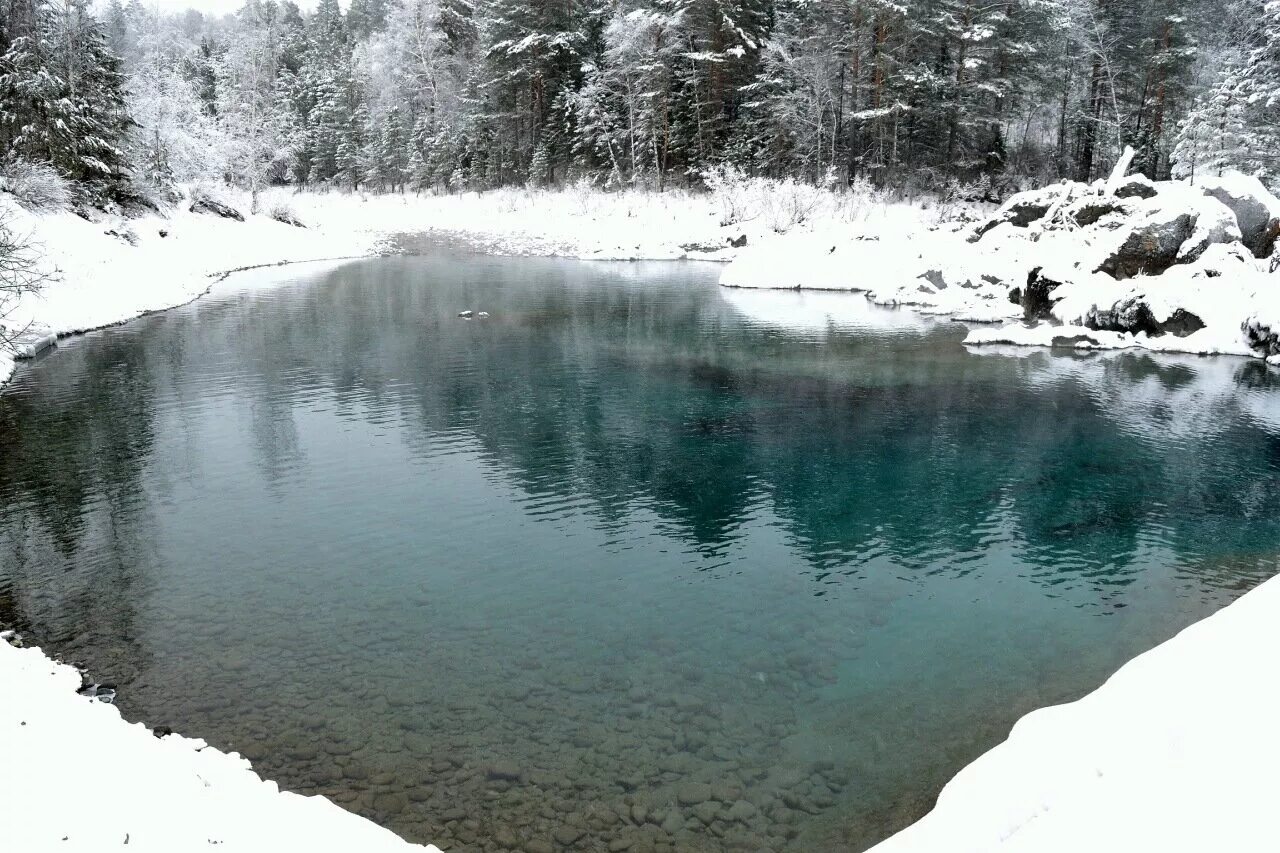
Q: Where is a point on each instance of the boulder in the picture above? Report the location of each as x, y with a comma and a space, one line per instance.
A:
1088, 210
1148, 244
1035, 299
1215, 224
1136, 186
1134, 315
1262, 337
1227, 259
1257, 211
1021, 210
217, 208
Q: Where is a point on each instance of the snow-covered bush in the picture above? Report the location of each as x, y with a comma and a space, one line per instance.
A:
729, 186
789, 203
36, 186
583, 191
281, 211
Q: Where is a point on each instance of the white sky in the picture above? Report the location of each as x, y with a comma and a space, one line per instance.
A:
217, 7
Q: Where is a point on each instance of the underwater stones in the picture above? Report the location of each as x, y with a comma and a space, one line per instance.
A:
538, 845
507, 771
673, 822
390, 803
706, 812
742, 811
505, 838
567, 835
725, 793
617, 845
692, 793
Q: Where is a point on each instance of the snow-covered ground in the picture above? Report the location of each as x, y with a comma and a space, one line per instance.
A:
1165, 756
1176, 752
1161, 266
78, 777
115, 269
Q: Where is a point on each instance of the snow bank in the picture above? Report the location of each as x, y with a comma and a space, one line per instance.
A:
80, 778
1176, 752
1165, 266
114, 269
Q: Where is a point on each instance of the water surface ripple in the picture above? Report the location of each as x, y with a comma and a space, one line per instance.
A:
632, 564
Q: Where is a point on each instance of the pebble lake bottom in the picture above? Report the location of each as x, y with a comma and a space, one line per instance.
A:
635, 563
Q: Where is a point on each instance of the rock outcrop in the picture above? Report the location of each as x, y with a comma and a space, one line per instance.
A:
1149, 243
1022, 210
1134, 315
1256, 210
216, 208
1036, 298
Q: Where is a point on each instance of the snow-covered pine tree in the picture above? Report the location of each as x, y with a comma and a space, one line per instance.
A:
62, 98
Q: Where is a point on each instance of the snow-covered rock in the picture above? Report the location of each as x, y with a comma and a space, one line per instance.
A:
1021, 210
1256, 210
1136, 186
1165, 266
216, 208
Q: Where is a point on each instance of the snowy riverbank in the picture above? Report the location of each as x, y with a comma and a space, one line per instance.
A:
113, 269
1176, 752
1128, 763
78, 777
1166, 266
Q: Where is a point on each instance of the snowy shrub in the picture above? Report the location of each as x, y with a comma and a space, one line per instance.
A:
36, 186
729, 187
583, 192
281, 212
788, 203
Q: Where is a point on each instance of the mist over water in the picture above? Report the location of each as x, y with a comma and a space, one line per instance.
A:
634, 561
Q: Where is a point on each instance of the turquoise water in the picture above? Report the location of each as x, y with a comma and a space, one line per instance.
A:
627, 563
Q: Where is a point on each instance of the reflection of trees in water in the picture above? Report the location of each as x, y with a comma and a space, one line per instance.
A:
72, 534
656, 395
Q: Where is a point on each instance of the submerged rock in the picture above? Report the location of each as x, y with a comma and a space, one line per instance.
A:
505, 770
692, 793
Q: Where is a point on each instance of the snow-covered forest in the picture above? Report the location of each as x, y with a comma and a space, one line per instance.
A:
452, 95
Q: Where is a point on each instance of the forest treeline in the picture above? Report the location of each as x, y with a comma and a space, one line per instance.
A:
452, 95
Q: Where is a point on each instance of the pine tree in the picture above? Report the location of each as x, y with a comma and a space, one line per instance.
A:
62, 99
